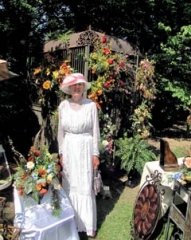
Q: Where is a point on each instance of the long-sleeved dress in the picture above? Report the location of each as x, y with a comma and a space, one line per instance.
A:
78, 141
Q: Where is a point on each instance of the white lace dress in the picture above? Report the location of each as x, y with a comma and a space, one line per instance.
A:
78, 141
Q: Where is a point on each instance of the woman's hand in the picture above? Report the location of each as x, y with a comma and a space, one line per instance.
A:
96, 162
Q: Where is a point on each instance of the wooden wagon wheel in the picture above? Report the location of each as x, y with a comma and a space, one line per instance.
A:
146, 211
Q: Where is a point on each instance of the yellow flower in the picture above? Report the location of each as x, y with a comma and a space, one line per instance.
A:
37, 70
48, 71
55, 74
94, 55
49, 177
47, 84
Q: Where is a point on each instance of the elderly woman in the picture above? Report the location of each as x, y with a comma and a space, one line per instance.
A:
78, 142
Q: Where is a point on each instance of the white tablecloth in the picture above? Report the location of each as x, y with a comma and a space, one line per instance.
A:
167, 181
37, 221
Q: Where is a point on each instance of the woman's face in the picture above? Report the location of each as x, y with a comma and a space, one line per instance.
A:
77, 89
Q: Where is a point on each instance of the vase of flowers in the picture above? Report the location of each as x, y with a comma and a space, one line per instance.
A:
36, 174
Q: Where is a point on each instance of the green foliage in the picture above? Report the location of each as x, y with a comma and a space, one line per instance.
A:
163, 27
65, 36
180, 93
173, 71
25, 25
134, 152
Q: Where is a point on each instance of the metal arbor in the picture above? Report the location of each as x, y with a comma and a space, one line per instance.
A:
82, 43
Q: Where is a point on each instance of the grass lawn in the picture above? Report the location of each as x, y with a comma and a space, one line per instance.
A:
115, 214
117, 222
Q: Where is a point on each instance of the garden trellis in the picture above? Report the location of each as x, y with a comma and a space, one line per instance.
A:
122, 81
83, 42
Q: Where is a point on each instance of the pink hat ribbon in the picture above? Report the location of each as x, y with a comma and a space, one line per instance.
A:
71, 79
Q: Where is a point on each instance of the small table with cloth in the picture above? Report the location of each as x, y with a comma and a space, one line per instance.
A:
37, 221
167, 181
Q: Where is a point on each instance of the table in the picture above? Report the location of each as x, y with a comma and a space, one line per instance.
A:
37, 222
167, 182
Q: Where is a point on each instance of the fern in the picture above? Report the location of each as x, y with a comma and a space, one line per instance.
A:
134, 152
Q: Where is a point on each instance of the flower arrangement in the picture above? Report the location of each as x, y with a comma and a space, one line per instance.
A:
186, 172
36, 174
120, 85
47, 79
112, 71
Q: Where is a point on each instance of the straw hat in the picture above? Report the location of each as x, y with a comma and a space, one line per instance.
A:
72, 79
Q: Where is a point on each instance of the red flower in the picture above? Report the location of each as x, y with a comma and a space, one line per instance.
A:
107, 85
110, 61
103, 39
30, 159
121, 64
42, 172
43, 191
106, 51
36, 153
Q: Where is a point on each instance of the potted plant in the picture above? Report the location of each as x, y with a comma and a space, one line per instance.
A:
134, 152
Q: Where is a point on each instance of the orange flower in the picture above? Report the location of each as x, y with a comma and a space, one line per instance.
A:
43, 184
35, 152
91, 95
63, 65
46, 85
65, 68
32, 149
106, 51
20, 192
100, 92
110, 61
37, 71
93, 70
42, 172
38, 187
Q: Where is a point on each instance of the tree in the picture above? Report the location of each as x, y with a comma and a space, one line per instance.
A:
26, 24
173, 73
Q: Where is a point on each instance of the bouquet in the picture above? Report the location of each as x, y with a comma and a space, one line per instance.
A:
36, 174
186, 173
